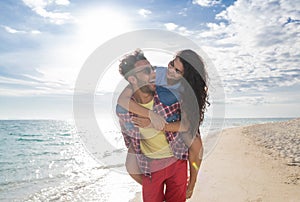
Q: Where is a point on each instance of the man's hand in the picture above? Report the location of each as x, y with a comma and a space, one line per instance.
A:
158, 122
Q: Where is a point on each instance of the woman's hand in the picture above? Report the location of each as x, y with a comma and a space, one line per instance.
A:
142, 122
158, 122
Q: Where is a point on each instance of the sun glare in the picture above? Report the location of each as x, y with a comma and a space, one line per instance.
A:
94, 26
97, 25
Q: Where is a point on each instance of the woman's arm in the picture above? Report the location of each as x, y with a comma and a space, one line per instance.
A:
124, 100
178, 126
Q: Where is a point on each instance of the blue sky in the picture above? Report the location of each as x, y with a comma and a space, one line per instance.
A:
254, 45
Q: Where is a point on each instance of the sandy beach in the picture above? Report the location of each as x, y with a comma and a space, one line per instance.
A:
252, 163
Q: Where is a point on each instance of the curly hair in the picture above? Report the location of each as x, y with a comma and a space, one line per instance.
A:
196, 78
127, 63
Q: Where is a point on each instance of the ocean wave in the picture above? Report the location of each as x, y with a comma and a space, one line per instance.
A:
71, 188
45, 153
63, 143
18, 189
25, 135
31, 140
20, 182
109, 153
64, 134
6, 163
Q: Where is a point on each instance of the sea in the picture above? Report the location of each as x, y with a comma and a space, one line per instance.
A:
48, 160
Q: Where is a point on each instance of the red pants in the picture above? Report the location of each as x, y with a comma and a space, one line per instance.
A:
174, 176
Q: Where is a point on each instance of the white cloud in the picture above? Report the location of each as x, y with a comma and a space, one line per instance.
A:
35, 32
54, 17
206, 3
39, 7
45, 3
62, 2
171, 26
256, 48
12, 30
35, 3
183, 12
250, 100
30, 85
15, 31
179, 29
28, 76
184, 31
144, 12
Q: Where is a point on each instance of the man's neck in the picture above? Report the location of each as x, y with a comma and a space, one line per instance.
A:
142, 97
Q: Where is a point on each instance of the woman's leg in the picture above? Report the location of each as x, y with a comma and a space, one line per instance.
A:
195, 158
132, 166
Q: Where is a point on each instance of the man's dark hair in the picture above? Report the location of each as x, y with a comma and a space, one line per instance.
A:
127, 64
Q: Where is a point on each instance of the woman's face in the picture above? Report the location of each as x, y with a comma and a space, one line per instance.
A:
175, 69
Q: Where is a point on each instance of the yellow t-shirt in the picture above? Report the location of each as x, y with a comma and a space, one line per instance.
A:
154, 143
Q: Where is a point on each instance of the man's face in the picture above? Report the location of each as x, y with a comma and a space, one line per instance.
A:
145, 76
175, 70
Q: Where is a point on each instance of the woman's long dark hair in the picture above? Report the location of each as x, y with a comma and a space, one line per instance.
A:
195, 85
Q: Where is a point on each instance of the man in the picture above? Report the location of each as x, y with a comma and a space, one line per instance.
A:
161, 156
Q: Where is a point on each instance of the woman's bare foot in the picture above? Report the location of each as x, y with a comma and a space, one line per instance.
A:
189, 190
189, 194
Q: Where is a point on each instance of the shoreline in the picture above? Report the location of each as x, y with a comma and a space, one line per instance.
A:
251, 163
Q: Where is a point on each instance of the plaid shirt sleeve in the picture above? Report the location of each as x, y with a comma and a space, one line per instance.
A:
131, 135
124, 124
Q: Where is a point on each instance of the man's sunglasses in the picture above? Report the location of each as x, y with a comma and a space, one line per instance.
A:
147, 70
176, 70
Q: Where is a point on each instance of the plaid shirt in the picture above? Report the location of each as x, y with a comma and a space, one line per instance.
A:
132, 135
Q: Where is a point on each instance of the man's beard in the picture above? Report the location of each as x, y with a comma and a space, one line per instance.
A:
144, 87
